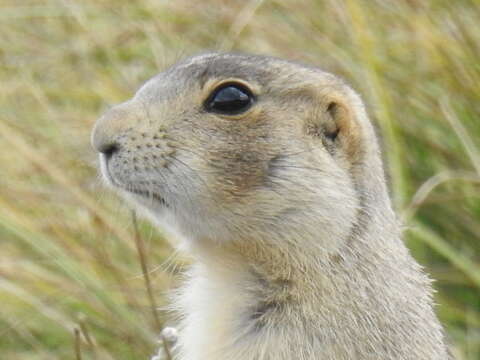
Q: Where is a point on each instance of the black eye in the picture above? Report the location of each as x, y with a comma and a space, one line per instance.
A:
229, 99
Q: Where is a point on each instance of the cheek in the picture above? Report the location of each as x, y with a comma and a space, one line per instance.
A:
237, 154
318, 206
236, 174
338, 205
337, 210
314, 198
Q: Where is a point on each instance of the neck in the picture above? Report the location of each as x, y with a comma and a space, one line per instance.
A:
260, 301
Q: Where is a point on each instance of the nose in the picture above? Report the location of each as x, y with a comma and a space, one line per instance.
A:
110, 126
109, 149
103, 137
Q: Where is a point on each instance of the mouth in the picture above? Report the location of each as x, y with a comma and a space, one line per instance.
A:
147, 195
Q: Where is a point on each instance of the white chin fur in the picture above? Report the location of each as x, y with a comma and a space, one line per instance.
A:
182, 229
104, 170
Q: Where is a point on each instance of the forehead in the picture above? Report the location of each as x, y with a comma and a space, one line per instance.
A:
206, 67
194, 72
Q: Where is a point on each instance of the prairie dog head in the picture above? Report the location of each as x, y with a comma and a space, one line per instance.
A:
229, 147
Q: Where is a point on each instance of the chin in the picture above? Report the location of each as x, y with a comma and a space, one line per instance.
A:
159, 214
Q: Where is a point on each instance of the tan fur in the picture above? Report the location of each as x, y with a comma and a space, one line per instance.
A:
298, 254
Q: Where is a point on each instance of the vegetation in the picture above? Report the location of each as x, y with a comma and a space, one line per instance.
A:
70, 274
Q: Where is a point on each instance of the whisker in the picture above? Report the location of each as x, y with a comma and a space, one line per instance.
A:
288, 180
178, 182
299, 167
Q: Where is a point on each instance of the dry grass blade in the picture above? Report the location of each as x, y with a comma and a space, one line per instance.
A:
462, 134
239, 24
78, 346
460, 261
428, 186
19, 144
86, 334
153, 305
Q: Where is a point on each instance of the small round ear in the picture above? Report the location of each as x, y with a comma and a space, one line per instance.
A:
348, 129
336, 123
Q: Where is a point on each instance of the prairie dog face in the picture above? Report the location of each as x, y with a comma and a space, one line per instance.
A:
228, 147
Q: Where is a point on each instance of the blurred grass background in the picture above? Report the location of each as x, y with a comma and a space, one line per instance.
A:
68, 259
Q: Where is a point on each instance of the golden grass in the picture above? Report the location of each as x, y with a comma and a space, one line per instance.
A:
68, 253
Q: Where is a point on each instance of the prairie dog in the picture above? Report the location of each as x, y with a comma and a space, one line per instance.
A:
269, 173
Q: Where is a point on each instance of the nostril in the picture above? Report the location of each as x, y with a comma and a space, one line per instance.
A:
109, 150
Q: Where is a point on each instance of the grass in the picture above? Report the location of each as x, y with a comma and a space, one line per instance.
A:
71, 280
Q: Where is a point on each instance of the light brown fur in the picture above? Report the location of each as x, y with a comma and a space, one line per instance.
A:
284, 208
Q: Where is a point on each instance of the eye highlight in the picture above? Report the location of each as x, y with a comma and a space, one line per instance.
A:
229, 99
